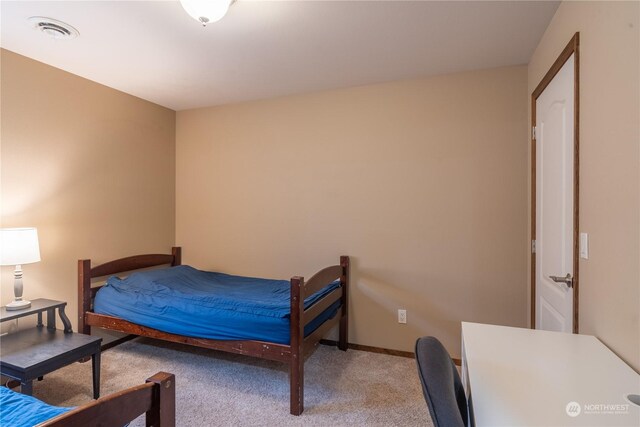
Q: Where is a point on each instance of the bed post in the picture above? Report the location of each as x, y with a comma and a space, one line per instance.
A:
176, 251
84, 294
163, 412
343, 336
296, 363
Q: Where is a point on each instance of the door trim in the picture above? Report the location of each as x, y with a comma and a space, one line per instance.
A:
572, 48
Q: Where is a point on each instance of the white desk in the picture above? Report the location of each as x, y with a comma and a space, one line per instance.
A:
525, 377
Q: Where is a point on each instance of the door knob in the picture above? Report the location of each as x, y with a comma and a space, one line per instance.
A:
567, 280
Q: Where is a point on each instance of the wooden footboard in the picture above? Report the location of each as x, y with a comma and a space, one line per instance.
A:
293, 354
301, 346
156, 398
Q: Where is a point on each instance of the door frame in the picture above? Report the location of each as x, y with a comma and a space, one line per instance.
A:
572, 48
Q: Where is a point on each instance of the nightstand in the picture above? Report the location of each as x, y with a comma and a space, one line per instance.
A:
33, 352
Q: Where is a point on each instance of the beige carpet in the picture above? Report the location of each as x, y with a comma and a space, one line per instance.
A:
219, 389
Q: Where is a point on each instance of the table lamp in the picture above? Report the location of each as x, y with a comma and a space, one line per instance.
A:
18, 246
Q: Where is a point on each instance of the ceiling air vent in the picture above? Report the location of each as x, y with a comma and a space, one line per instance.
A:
53, 28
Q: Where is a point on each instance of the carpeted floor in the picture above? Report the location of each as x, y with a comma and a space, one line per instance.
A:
219, 389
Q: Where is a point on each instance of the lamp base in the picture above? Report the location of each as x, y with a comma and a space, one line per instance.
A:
18, 305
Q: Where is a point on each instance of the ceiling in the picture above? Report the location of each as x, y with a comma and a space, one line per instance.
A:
264, 49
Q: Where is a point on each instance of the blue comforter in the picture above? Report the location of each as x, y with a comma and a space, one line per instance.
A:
20, 410
185, 301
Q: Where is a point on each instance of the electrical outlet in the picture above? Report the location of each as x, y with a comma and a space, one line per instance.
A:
402, 316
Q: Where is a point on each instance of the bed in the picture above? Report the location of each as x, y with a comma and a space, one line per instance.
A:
284, 323
155, 398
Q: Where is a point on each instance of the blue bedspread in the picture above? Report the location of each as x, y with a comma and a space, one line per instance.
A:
20, 410
185, 301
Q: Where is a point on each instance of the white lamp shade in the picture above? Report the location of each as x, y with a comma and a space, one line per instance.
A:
206, 11
19, 246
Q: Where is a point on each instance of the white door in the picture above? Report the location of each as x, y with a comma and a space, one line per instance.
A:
554, 202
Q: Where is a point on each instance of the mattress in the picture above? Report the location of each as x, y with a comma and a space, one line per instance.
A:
20, 410
185, 301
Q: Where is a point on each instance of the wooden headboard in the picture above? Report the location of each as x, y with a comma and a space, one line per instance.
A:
156, 398
85, 273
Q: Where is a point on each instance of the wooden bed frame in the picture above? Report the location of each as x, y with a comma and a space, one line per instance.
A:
293, 354
156, 398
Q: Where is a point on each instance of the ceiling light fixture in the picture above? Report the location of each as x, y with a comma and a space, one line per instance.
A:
53, 28
206, 11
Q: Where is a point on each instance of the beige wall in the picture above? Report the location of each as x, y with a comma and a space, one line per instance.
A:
609, 163
91, 167
422, 182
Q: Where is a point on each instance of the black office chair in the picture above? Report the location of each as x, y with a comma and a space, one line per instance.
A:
441, 384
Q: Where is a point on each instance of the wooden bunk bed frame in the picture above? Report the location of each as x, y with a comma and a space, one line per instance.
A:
293, 354
156, 398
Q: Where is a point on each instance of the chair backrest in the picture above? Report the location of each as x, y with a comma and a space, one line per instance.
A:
441, 384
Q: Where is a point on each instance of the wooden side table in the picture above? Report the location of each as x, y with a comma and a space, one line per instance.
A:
31, 353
